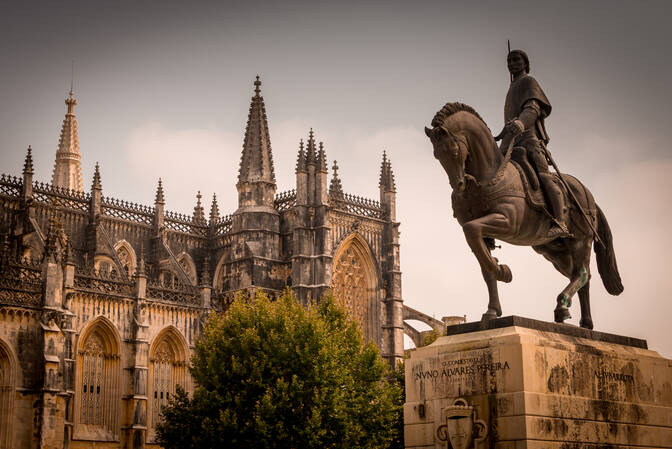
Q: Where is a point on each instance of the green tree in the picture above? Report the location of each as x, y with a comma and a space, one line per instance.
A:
275, 374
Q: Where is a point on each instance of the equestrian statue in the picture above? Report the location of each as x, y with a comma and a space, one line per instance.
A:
508, 193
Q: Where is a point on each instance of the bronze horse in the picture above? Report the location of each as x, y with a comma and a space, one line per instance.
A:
490, 202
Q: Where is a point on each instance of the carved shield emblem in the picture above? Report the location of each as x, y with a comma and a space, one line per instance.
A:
460, 420
460, 431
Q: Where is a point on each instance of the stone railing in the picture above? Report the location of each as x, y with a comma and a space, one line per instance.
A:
60, 197
223, 225
127, 211
357, 205
100, 281
173, 292
21, 282
10, 186
183, 223
285, 200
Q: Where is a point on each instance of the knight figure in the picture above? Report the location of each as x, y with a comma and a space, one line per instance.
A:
525, 109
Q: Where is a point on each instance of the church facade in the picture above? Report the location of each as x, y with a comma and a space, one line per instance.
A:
101, 300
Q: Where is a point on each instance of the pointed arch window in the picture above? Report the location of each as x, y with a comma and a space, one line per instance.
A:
6, 398
98, 390
167, 370
354, 282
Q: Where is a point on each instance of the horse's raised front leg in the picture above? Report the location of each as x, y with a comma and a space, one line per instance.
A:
491, 225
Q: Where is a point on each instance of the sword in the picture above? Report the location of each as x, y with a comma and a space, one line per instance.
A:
571, 195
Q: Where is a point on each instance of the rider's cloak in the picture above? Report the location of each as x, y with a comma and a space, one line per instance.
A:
521, 91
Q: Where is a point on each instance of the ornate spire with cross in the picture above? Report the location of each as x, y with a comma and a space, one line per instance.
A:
199, 212
67, 167
256, 162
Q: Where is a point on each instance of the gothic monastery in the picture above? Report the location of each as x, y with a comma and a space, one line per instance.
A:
101, 300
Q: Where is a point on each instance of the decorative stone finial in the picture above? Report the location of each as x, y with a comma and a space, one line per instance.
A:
199, 213
321, 158
257, 87
214, 210
335, 187
28, 164
301, 159
159, 199
386, 181
96, 179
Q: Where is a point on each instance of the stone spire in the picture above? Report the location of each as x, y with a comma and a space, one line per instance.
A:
67, 168
256, 162
159, 199
28, 164
96, 185
311, 156
214, 209
386, 181
335, 187
301, 159
322, 159
199, 213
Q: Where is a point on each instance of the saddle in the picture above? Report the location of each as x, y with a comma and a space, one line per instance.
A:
534, 194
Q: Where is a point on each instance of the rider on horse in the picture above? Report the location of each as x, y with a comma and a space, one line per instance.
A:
525, 109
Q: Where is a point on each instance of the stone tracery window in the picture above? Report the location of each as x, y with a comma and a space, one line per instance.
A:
168, 369
349, 283
354, 284
98, 387
126, 260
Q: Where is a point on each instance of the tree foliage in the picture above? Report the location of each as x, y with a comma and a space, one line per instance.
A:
275, 374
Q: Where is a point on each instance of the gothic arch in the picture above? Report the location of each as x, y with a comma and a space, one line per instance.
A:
168, 359
98, 384
127, 256
356, 284
218, 277
102, 262
7, 387
188, 265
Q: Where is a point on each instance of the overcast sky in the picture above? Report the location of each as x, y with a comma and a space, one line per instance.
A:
164, 89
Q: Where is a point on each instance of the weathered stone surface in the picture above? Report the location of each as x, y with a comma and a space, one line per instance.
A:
541, 385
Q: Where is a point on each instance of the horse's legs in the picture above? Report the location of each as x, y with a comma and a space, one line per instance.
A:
494, 307
584, 298
572, 260
492, 225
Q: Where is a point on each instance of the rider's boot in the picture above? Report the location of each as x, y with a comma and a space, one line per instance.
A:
559, 230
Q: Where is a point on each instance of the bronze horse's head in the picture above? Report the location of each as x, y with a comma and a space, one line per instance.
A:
451, 150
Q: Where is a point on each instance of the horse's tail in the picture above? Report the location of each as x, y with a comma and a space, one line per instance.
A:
606, 259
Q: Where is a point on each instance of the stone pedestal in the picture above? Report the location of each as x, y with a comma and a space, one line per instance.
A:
515, 383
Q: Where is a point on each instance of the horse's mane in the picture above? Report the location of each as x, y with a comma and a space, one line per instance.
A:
452, 108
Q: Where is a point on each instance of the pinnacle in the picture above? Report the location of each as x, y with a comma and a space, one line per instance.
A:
386, 175
256, 162
214, 209
199, 213
159, 199
335, 187
28, 164
322, 159
301, 159
96, 179
310, 150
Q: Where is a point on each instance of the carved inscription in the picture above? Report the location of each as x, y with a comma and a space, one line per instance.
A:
618, 377
461, 373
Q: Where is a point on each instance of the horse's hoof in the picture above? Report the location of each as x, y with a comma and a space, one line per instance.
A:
586, 323
503, 273
562, 314
489, 315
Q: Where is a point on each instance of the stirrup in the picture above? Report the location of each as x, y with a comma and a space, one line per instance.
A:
558, 230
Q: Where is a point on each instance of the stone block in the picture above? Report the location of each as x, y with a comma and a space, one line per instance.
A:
537, 385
